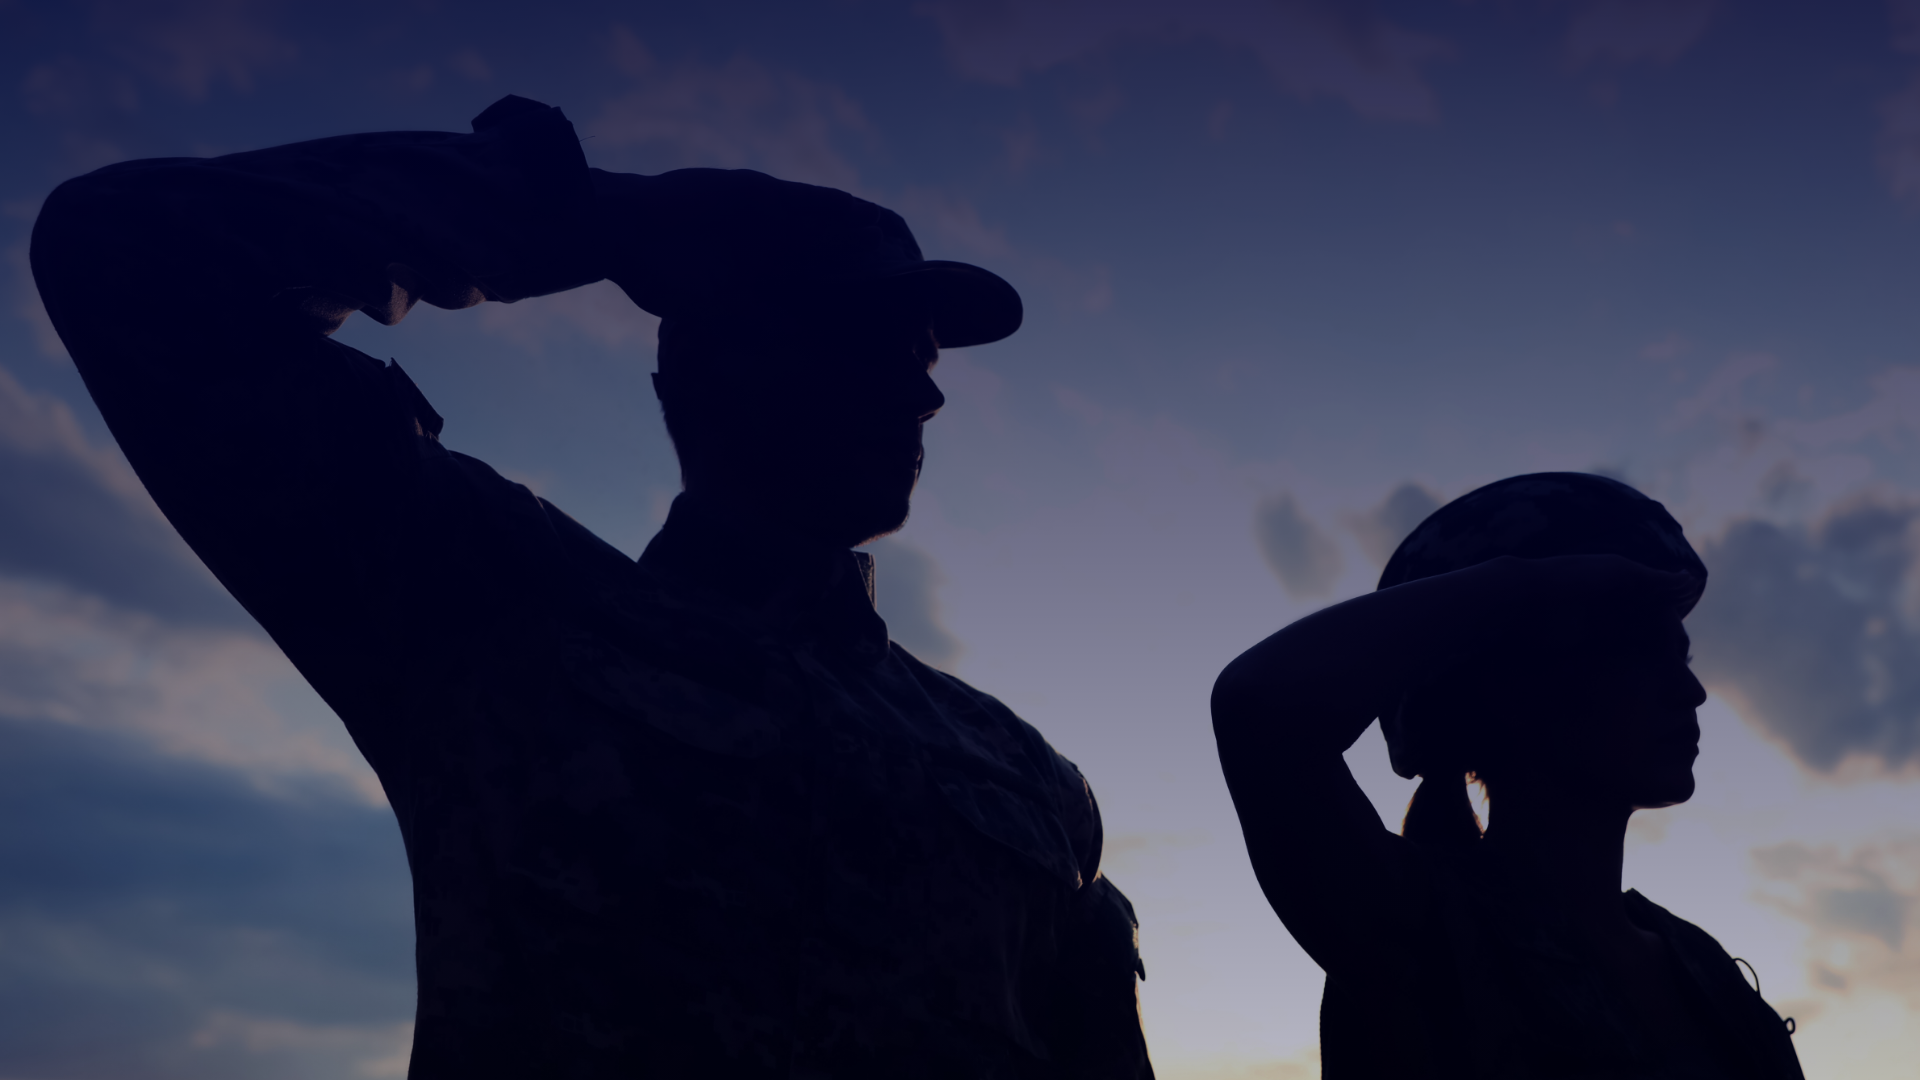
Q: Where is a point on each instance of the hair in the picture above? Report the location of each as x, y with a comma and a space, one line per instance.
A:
1454, 752
1441, 817
1536, 516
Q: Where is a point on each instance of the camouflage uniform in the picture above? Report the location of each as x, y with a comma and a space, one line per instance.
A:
653, 831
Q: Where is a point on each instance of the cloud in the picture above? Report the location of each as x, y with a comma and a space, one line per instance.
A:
205, 694
1313, 48
1859, 907
190, 46
108, 621
27, 304
956, 221
67, 87
742, 115
166, 919
746, 115
1720, 393
73, 512
906, 591
186, 47
1813, 631
1299, 553
950, 226
470, 63
1381, 529
1637, 31
1892, 411
1854, 895
1899, 142
1904, 15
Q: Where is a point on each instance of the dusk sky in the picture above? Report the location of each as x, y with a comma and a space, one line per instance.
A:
1296, 273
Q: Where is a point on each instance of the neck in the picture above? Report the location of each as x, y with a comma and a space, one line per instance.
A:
1564, 852
735, 548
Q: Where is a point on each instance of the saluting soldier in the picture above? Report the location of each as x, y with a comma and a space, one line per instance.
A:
690, 815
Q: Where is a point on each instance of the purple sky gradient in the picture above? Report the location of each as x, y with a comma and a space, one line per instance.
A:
1295, 271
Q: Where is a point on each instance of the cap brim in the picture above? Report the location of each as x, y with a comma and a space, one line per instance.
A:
970, 306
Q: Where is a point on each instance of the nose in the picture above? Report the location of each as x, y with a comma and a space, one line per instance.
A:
1696, 694
927, 398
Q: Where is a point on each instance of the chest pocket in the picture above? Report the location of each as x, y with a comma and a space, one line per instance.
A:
694, 713
1009, 809
989, 766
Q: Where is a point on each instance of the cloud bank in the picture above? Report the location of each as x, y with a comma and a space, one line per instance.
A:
1813, 631
72, 512
1859, 905
163, 919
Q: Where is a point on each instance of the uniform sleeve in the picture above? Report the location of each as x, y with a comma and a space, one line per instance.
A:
1098, 1033
196, 297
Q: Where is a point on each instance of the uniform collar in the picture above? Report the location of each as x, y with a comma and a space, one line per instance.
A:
711, 556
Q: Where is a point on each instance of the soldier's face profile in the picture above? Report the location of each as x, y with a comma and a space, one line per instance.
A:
837, 426
1624, 726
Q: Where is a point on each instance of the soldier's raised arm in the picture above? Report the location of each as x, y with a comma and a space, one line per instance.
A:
196, 297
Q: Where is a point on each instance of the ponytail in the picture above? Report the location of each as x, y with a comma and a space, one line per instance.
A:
1441, 814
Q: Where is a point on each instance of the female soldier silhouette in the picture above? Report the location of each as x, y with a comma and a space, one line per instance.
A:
1526, 635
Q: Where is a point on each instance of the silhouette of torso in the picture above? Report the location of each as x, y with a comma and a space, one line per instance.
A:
1491, 991
652, 831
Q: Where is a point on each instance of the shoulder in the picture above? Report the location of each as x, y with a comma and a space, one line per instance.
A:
981, 726
981, 718
1698, 950
1757, 1028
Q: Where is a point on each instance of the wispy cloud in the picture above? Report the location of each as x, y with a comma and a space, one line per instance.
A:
1381, 529
1899, 143
192, 46
949, 225
1858, 903
907, 592
1312, 48
1637, 31
185, 48
108, 621
1297, 550
739, 115
73, 512
27, 304
217, 696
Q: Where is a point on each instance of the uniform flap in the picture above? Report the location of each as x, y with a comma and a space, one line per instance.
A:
696, 714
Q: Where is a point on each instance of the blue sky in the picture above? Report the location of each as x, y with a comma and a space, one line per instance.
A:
1296, 272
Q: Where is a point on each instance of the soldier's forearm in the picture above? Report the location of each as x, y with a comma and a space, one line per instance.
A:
152, 268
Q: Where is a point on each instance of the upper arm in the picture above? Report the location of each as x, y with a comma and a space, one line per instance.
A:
304, 473
1336, 877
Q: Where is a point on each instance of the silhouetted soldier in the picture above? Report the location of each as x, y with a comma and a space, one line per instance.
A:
691, 817
1527, 633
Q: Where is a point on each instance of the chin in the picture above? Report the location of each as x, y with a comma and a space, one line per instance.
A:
879, 525
851, 524
1657, 791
